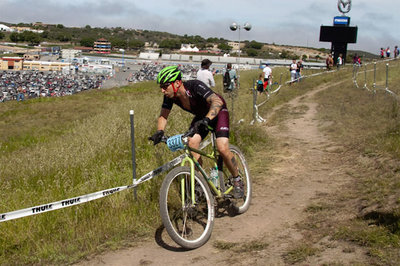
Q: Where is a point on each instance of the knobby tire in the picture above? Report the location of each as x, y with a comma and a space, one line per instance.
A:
189, 226
240, 205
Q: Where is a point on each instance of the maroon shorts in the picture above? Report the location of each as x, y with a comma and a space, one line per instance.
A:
220, 124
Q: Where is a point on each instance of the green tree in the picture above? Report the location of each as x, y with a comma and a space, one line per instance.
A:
1, 35
87, 42
254, 45
213, 40
21, 24
45, 34
30, 37
202, 46
170, 44
285, 54
14, 37
118, 43
60, 26
251, 52
224, 47
136, 44
64, 37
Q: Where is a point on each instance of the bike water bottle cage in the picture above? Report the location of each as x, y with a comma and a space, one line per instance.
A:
175, 143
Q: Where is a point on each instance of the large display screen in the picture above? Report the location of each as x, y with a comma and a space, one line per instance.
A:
338, 34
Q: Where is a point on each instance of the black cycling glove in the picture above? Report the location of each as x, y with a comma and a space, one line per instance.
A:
201, 125
156, 138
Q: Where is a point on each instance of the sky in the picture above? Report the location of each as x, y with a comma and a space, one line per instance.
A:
290, 22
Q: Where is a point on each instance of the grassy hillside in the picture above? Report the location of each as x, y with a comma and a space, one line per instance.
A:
57, 148
365, 125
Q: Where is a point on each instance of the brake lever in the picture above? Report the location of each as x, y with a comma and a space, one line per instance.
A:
189, 133
164, 139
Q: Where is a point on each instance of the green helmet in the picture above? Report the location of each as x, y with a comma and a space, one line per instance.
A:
169, 74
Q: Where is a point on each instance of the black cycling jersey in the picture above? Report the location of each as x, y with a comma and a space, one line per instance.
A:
198, 93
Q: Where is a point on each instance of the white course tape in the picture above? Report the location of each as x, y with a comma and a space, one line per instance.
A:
93, 196
59, 204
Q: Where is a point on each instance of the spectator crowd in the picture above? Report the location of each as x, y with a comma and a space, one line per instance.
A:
386, 52
19, 85
149, 71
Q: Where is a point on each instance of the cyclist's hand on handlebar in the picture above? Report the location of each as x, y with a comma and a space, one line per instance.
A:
190, 132
201, 125
157, 137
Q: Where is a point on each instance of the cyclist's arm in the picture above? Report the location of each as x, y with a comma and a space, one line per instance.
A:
215, 106
162, 119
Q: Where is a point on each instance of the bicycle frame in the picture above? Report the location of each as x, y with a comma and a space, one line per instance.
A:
194, 163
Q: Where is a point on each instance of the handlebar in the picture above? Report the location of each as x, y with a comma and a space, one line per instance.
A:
188, 133
178, 142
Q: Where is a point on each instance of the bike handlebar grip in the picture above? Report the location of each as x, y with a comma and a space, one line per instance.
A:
175, 143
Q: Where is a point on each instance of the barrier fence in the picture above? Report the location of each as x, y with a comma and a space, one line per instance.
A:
271, 91
356, 72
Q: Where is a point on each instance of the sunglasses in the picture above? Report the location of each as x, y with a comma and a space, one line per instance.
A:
165, 85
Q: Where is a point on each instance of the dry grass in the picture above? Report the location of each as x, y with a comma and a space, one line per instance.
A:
246, 247
367, 125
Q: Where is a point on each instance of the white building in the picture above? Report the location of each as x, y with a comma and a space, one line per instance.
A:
5, 28
22, 29
69, 54
188, 48
150, 56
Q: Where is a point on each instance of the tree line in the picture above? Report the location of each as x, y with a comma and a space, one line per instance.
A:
128, 39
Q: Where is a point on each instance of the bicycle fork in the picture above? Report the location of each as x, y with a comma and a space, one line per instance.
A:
192, 186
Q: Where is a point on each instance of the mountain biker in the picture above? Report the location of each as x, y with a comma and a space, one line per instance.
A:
209, 109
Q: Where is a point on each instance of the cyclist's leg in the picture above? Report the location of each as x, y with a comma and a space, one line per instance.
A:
222, 134
194, 142
227, 156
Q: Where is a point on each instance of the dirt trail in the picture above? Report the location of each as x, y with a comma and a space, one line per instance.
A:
305, 166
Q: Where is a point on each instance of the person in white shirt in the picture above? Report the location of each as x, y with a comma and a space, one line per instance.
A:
267, 73
204, 74
339, 61
293, 69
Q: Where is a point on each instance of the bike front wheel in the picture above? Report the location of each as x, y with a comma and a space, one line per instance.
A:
189, 225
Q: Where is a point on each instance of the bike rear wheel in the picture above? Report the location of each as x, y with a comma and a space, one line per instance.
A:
239, 205
189, 225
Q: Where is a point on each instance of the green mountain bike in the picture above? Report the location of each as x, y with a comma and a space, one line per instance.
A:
190, 197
